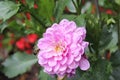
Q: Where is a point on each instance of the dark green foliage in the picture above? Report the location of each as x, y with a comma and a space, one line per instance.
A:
102, 34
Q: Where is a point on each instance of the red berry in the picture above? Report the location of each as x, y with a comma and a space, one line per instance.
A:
32, 38
11, 42
53, 18
0, 44
83, 2
16, 1
66, 9
108, 11
93, 9
21, 44
35, 6
108, 55
28, 45
23, 1
28, 16
29, 51
12, 35
1, 37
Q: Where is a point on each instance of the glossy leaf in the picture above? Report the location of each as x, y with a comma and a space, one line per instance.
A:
117, 1
80, 20
2, 27
30, 3
8, 9
18, 64
60, 6
46, 9
45, 76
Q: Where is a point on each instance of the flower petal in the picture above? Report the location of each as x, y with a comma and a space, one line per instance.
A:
84, 64
73, 65
64, 60
56, 67
52, 63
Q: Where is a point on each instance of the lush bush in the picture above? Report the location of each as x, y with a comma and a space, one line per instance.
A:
23, 22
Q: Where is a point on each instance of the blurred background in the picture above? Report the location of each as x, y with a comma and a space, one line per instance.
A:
22, 23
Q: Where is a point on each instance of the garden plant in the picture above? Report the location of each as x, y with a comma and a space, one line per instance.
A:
59, 39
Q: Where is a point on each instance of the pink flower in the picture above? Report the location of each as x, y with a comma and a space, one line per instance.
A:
62, 49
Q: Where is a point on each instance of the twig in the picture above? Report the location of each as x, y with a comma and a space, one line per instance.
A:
97, 9
119, 33
76, 7
39, 21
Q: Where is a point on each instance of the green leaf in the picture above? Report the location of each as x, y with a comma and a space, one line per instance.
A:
101, 2
99, 70
76, 77
106, 37
71, 6
113, 43
80, 20
18, 64
2, 27
60, 6
30, 3
69, 17
116, 73
117, 1
45, 76
111, 20
115, 58
46, 9
8, 9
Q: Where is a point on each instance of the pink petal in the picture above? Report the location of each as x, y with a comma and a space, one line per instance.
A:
81, 50
52, 63
58, 58
70, 59
55, 25
70, 27
62, 68
84, 64
69, 70
63, 61
68, 38
64, 22
85, 44
78, 34
78, 58
73, 65
44, 43
48, 68
47, 55
56, 67
42, 62
76, 52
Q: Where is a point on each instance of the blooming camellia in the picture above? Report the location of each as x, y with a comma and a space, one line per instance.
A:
62, 49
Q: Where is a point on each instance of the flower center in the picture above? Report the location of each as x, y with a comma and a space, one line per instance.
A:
59, 47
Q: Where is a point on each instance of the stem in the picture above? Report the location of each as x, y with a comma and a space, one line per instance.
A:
78, 3
76, 7
79, 6
61, 78
97, 9
118, 33
39, 21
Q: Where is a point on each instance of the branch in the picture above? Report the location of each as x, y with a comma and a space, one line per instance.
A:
119, 33
97, 9
39, 21
76, 7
